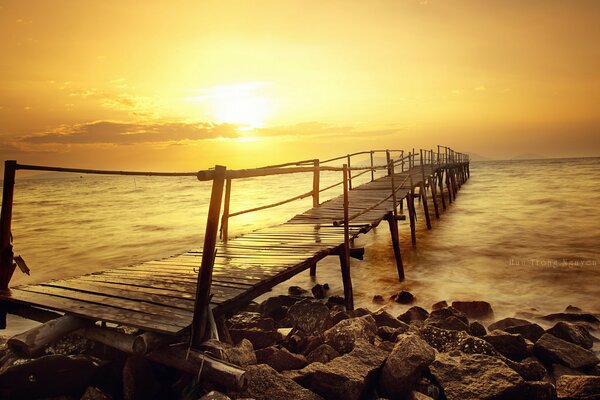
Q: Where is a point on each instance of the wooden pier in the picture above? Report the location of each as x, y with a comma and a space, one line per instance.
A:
170, 295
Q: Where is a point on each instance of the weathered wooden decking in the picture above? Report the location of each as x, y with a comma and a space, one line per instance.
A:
159, 295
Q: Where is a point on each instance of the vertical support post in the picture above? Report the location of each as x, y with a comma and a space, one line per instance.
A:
202, 303
423, 194
349, 173
393, 223
316, 183
440, 178
402, 158
225, 217
410, 203
394, 202
7, 266
345, 251
387, 160
434, 196
372, 170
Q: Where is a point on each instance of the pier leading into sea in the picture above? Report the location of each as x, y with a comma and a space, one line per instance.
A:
190, 293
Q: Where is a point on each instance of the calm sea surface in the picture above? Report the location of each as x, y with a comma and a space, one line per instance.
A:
523, 235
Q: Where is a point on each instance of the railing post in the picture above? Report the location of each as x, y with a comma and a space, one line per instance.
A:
7, 266
345, 253
394, 200
402, 159
387, 158
422, 166
349, 173
316, 183
372, 171
225, 217
203, 296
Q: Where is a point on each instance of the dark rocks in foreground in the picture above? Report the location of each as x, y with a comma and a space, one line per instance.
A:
551, 349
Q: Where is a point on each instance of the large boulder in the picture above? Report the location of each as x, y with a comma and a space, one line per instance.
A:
578, 387
259, 330
474, 309
242, 354
415, 313
507, 344
347, 377
404, 366
507, 322
448, 318
475, 377
308, 316
477, 329
572, 333
551, 349
343, 335
530, 332
264, 383
444, 340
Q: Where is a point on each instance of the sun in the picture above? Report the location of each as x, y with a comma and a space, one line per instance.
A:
241, 103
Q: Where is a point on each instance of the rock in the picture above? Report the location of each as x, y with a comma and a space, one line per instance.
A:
448, 318
387, 333
439, 304
335, 300
308, 316
378, 299
507, 344
414, 313
276, 307
335, 317
426, 387
572, 333
448, 340
93, 393
259, 338
574, 317
530, 368
383, 318
318, 291
537, 390
297, 291
242, 354
578, 387
474, 309
507, 322
301, 344
414, 395
529, 331
477, 329
140, 380
343, 336
347, 377
214, 395
403, 297
404, 366
475, 377
551, 349
559, 370
280, 359
264, 383
49, 376
251, 320
323, 354
359, 312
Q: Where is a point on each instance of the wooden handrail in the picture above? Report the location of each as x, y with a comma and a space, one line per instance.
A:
279, 203
100, 171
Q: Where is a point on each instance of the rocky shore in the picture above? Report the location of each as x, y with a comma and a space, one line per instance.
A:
308, 346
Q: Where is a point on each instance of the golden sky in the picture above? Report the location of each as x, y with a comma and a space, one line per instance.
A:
182, 85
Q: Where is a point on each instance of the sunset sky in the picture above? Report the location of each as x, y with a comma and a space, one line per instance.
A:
182, 85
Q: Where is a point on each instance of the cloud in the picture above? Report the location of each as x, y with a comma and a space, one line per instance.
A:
112, 132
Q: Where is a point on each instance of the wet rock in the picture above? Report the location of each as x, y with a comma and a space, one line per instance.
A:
536, 391
335, 300
444, 340
444, 313
507, 322
574, 317
359, 312
477, 329
251, 320
93, 393
140, 380
259, 338
383, 318
559, 370
297, 291
573, 309
378, 299
264, 383
572, 333
475, 377
507, 344
387, 333
530, 332
302, 344
280, 359
308, 316
319, 291
322, 354
551, 349
404, 366
346, 377
439, 304
49, 376
335, 317
530, 369
403, 297
343, 336
214, 395
578, 387
414, 313
242, 354
474, 309
276, 307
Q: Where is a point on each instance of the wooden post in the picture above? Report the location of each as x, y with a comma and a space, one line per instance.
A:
402, 158
7, 266
202, 304
393, 223
440, 178
410, 204
449, 186
391, 168
372, 171
313, 269
225, 217
345, 250
423, 194
349, 173
316, 183
387, 160
434, 196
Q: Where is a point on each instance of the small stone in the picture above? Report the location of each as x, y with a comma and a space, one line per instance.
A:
477, 329
403, 297
323, 354
318, 291
414, 313
530, 332
572, 333
573, 309
378, 299
474, 309
507, 344
507, 322
551, 349
297, 291
439, 304
343, 336
335, 301
578, 387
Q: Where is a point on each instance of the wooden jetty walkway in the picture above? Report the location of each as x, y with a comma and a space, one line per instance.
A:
167, 296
